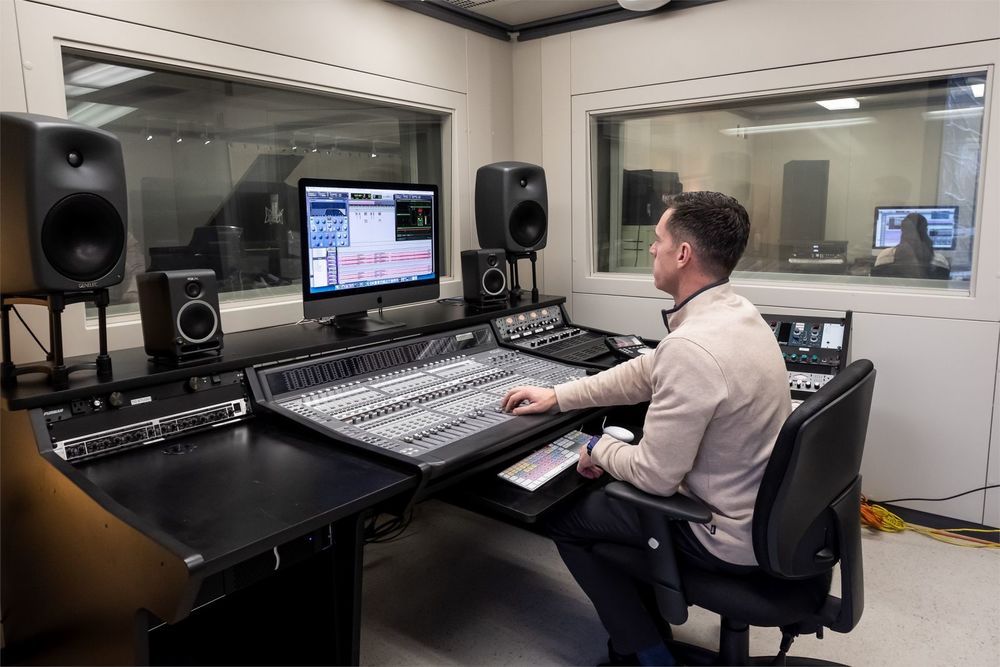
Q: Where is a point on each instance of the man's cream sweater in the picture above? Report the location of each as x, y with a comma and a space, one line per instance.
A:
718, 395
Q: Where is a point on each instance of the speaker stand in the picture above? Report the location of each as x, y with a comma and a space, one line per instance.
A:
54, 366
515, 280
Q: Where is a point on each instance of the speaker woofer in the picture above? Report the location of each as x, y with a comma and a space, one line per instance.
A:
527, 223
83, 237
196, 321
494, 281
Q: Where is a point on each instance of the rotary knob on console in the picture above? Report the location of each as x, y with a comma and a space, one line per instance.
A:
116, 399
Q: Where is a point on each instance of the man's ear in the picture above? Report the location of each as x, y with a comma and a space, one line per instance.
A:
684, 254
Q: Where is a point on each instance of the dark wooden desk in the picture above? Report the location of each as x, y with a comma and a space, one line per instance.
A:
166, 527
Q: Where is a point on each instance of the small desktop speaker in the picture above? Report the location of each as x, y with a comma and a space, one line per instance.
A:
484, 277
511, 206
62, 206
180, 313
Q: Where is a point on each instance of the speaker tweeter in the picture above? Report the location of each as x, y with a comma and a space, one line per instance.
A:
180, 315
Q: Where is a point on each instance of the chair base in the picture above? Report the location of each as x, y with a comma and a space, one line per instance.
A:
690, 654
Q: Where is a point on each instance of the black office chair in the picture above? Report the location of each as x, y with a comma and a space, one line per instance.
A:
806, 520
907, 270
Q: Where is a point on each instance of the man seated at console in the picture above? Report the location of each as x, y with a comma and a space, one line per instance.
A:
718, 395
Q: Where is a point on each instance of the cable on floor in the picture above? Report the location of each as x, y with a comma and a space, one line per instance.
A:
388, 529
879, 518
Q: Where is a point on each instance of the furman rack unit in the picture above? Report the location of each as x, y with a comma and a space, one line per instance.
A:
108, 423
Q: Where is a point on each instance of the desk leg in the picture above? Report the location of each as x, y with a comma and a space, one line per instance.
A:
348, 559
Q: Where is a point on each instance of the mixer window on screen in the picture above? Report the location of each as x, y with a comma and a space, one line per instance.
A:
367, 245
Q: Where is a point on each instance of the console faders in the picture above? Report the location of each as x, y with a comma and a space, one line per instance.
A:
414, 399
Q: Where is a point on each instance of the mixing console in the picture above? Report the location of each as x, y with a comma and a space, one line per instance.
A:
544, 330
431, 402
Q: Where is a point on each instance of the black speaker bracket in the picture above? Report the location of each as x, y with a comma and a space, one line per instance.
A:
54, 366
515, 280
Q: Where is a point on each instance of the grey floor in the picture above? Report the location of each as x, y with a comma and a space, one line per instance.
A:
462, 589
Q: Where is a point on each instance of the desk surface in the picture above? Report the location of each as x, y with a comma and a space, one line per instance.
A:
132, 367
241, 490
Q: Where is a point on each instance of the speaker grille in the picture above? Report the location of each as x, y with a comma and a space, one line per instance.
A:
527, 223
83, 237
196, 321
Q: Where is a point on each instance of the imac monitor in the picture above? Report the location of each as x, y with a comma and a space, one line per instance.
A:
941, 221
366, 245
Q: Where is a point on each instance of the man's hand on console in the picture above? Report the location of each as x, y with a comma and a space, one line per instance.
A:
536, 400
586, 467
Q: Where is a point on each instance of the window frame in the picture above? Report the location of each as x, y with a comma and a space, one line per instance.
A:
46, 35
982, 301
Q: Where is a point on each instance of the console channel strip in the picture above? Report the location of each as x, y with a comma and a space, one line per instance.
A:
545, 330
433, 401
814, 349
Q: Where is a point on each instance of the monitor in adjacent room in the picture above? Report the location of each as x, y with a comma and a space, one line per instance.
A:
366, 245
941, 221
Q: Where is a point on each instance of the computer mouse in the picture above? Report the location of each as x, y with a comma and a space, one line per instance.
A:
619, 433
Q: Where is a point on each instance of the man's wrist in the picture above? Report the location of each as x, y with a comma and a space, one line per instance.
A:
594, 439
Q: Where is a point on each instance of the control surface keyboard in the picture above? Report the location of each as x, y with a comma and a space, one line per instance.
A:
542, 465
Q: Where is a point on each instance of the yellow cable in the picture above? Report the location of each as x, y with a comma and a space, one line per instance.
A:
879, 518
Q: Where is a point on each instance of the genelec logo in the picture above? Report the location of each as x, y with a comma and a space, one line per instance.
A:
87, 285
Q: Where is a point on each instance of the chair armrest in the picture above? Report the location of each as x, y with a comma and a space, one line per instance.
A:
674, 508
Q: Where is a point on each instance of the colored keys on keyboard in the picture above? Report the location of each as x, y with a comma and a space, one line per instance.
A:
543, 464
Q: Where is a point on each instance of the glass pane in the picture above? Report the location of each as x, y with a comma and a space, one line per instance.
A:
212, 166
870, 185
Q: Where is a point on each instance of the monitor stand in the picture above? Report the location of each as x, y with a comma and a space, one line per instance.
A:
364, 323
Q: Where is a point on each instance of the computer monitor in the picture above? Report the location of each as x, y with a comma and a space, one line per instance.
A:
366, 245
941, 221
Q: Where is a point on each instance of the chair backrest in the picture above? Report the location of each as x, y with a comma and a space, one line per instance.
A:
816, 460
906, 270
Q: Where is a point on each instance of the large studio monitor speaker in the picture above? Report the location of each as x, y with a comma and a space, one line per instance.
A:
62, 206
180, 314
511, 206
484, 277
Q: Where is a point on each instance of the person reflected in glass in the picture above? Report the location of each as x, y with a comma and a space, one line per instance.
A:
915, 250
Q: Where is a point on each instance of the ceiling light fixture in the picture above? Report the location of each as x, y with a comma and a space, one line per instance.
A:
104, 75
941, 114
840, 104
96, 114
790, 127
642, 5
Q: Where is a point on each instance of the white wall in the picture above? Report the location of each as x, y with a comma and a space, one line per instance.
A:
935, 415
362, 48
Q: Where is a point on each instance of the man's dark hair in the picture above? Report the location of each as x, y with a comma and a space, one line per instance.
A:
715, 224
